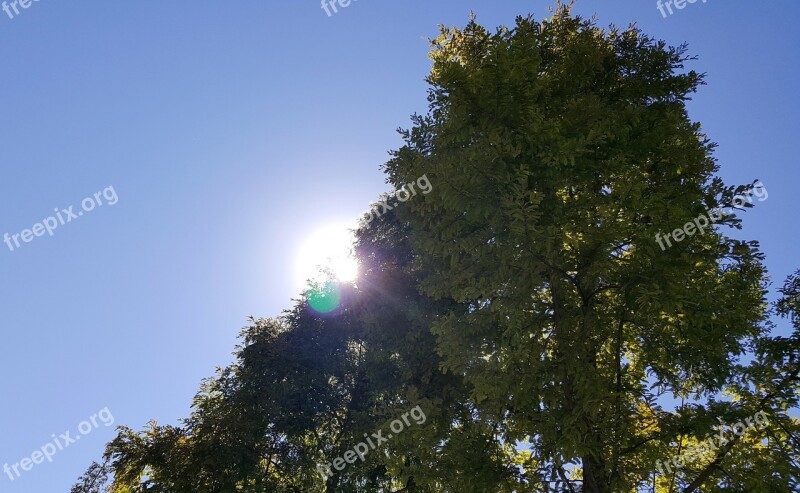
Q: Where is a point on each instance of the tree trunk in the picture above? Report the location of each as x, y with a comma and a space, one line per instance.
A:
594, 476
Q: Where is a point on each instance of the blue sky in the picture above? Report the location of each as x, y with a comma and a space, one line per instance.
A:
230, 133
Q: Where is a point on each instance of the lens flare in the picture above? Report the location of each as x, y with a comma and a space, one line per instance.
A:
324, 297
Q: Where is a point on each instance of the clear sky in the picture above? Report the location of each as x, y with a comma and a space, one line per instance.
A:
232, 131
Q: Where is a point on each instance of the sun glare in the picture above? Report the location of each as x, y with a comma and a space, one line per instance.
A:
329, 249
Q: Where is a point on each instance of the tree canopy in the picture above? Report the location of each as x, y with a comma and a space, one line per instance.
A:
524, 305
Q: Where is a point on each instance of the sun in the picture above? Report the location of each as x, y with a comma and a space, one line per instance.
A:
329, 249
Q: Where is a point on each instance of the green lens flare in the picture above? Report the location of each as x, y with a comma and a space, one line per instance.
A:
325, 297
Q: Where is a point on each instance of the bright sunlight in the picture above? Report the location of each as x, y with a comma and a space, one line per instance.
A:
328, 249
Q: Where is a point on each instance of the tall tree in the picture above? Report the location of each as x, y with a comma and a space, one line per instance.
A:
560, 151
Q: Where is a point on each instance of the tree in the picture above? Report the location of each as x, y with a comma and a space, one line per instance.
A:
525, 305
560, 152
